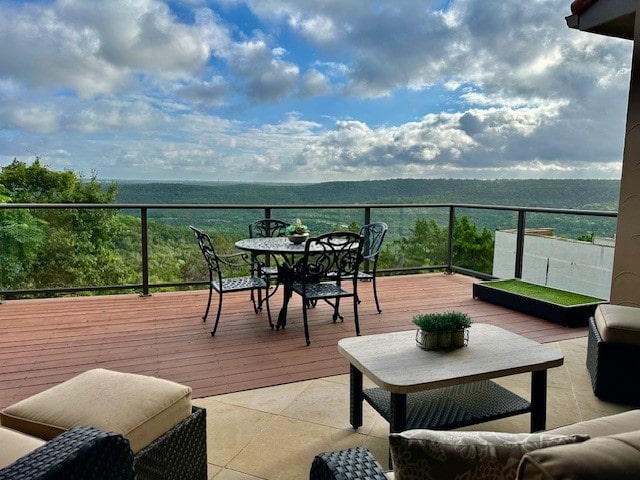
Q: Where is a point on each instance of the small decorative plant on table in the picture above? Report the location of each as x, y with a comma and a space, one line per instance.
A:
442, 330
297, 232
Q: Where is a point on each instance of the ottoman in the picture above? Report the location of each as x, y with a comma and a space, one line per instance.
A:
613, 353
166, 434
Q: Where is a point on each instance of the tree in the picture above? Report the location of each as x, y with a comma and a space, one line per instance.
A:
472, 249
75, 247
427, 246
21, 236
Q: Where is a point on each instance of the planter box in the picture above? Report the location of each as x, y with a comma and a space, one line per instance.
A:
569, 316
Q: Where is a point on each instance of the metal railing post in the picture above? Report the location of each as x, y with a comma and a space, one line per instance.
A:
145, 251
520, 243
452, 222
367, 215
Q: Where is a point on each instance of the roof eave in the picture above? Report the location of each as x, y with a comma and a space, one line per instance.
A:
614, 18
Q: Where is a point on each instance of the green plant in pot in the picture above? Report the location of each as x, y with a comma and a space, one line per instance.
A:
442, 329
297, 232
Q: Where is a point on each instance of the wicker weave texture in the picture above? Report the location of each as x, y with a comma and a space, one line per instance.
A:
181, 453
80, 453
613, 368
351, 464
452, 407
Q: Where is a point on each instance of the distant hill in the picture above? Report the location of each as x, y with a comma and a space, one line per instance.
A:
578, 194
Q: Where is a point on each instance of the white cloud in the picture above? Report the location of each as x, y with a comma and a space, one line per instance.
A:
472, 88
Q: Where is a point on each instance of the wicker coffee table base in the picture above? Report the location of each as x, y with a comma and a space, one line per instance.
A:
452, 407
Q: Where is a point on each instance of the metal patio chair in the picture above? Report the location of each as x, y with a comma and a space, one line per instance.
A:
223, 285
267, 267
373, 235
321, 275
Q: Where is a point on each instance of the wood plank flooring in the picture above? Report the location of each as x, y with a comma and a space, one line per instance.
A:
46, 341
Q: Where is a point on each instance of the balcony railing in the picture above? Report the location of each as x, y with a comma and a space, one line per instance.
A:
364, 213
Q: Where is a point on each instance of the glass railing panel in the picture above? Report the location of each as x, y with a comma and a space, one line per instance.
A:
477, 244
570, 252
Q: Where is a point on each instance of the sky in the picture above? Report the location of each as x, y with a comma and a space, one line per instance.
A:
310, 91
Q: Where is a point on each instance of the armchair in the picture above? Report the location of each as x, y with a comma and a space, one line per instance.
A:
373, 235
322, 272
82, 452
222, 284
267, 268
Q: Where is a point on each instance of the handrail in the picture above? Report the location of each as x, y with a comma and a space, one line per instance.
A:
449, 267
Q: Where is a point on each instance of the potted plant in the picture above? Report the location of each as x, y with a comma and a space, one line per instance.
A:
441, 330
297, 232
460, 332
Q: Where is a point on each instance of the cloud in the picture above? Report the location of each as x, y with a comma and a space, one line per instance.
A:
93, 47
244, 89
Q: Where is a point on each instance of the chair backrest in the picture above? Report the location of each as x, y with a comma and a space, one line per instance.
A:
209, 253
268, 227
373, 235
335, 255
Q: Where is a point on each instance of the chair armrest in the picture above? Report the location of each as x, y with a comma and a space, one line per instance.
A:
351, 464
82, 452
239, 260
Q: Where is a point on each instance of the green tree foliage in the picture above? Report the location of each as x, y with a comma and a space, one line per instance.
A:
21, 236
472, 248
73, 247
427, 245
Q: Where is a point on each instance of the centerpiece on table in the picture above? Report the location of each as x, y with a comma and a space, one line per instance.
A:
297, 232
442, 330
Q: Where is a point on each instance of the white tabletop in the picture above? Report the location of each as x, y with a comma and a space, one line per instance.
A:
395, 363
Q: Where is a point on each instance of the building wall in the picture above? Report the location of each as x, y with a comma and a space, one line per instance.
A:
625, 282
562, 263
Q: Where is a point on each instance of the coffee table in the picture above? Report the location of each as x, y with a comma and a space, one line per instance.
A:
445, 389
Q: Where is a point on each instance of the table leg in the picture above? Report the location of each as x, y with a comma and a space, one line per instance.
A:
355, 386
538, 400
398, 412
284, 277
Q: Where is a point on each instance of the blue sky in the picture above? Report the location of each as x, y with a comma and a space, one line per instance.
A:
301, 91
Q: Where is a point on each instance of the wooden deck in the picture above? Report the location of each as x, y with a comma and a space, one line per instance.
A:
44, 342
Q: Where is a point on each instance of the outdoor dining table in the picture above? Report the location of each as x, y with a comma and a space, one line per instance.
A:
276, 246
289, 250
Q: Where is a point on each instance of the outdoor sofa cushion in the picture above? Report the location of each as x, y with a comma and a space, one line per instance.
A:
430, 454
618, 323
614, 456
15, 445
140, 408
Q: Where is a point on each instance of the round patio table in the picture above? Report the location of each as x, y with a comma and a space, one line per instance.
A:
278, 246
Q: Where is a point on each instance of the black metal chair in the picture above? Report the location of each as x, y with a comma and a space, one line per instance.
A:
268, 267
320, 274
222, 285
373, 235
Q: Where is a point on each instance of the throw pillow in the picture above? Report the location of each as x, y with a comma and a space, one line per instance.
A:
430, 454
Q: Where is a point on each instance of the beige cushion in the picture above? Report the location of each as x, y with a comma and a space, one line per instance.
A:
14, 445
616, 456
618, 323
138, 407
597, 427
430, 454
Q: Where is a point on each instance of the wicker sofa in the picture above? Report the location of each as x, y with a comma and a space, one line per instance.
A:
613, 350
165, 432
605, 447
82, 452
